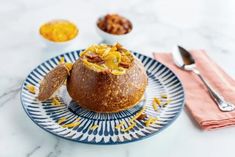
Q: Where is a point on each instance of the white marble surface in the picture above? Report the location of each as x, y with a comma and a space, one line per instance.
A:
158, 25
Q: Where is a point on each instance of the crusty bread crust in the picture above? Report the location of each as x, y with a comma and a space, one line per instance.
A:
52, 81
105, 92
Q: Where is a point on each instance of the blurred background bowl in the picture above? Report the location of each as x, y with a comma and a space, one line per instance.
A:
57, 44
109, 38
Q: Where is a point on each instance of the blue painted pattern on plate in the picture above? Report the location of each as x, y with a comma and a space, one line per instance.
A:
46, 115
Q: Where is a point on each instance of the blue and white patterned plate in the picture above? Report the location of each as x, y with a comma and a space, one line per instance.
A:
46, 115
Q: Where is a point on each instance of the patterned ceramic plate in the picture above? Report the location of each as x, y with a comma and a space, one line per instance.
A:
101, 128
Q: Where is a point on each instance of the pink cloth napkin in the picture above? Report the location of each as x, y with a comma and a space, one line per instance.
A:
198, 101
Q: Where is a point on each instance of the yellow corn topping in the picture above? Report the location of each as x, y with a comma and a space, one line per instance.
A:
166, 103
31, 88
164, 96
138, 114
61, 120
59, 30
55, 102
62, 61
150, 121
158, 101
155, 106
129, 127
132, 121
69, 66
112, 57
120, 125
74, 124
71, 125
94, 127
94, 67
119, 71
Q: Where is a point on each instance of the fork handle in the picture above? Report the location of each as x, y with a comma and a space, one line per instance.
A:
215, 96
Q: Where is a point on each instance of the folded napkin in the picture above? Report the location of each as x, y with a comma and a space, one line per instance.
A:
198, 101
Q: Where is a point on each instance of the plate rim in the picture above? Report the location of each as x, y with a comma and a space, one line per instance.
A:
115, 143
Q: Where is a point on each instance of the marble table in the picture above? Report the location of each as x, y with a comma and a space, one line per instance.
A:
158, 26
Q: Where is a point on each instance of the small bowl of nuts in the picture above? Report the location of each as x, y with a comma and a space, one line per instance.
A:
114, 28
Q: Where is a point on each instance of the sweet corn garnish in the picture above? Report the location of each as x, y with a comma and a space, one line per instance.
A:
119, 71
155, 106
69, 66
132, 121
138, 114
59, 30
55, 101
129, 127
61, 120
158, 101
94, 67
71, 125
150, 121
120, 125
93, 127
31, 88
114, 58
62, 61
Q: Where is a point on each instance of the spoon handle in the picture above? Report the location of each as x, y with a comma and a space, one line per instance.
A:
215, 96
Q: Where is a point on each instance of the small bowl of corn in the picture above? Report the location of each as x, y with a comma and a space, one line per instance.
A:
57, 33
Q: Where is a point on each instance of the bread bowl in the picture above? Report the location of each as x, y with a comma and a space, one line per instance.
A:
107, 78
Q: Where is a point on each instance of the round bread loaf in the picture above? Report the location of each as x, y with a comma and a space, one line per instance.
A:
104, 91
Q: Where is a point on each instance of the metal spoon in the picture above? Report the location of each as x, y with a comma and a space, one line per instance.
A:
185, 61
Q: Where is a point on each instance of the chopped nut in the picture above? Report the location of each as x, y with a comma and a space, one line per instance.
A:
94, 58
142, 117
124, 64
115, 24
106, 71
91, 55
107, 57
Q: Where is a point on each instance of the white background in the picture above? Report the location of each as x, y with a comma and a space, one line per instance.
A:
158, 26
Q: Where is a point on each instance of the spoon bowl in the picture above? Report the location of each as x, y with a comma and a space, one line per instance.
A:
184, 60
